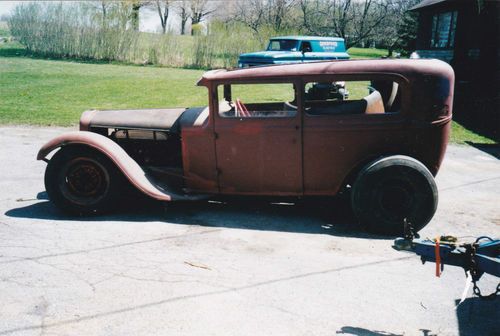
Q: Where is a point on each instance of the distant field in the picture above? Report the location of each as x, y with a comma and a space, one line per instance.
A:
55, 92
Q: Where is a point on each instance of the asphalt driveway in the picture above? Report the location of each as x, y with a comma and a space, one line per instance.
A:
241, 268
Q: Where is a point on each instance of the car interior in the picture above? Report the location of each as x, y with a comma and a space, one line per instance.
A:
337, 98
352, 97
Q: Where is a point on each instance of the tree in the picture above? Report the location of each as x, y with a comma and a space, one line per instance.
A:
183, 11
250, 12
400, 27
134, 16
274, 14
355, 21
200, 9
163, 8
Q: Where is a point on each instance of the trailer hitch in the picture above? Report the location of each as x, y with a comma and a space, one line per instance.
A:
476, 258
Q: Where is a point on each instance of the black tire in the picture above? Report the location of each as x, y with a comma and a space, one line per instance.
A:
82, 181
390, 189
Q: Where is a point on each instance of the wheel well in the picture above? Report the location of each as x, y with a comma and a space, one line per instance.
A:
353, 174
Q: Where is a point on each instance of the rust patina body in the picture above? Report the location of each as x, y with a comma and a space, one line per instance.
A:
180, 153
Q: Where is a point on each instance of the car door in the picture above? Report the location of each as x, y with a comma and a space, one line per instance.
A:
342, 132
259, 141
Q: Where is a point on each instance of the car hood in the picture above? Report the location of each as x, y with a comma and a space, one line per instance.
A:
145, 119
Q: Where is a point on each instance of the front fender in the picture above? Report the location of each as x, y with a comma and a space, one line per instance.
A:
132, 171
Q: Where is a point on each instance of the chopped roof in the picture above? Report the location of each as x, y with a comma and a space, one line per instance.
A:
427, 3
307, 38
405, 67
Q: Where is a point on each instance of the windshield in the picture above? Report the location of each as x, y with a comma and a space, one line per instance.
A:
282, 45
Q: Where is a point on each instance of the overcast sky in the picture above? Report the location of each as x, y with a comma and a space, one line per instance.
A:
149, 20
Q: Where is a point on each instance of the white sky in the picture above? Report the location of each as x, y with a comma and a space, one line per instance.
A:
149, 20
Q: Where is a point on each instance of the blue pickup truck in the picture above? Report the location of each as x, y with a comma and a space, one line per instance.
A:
296, 49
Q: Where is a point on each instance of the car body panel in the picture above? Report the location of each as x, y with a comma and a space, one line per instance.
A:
303, 155
151, 119
259, 156
130, 169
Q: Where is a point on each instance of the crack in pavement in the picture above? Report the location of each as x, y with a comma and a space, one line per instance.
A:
470, 183
200, 295
106, 247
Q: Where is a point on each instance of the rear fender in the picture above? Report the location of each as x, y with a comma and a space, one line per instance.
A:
132, 171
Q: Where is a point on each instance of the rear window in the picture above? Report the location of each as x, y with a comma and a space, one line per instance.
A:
352, 97
328, 46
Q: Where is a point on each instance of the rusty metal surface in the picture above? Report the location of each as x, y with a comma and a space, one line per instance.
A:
157, 119
406, 68
132, 171
315, 155
300, 155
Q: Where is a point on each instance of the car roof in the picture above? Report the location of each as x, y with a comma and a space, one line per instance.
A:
404, 67
307, 38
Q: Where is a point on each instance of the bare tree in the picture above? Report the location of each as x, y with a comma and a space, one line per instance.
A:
200, 10
184, 14
163, 7
250, 12
398, 30
353, 20
134, 16
271, 13
99, 9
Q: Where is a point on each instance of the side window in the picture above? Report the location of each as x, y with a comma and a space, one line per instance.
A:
352, 97
257, 100
306, 47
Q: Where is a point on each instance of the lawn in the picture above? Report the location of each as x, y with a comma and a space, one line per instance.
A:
54, 92
366, 52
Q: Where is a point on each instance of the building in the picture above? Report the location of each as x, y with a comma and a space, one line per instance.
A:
466, 34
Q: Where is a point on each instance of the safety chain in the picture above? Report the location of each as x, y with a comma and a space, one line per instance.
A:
470, 250
491, 296
409, 230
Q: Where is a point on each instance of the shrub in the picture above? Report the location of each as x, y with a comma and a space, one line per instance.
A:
73, 31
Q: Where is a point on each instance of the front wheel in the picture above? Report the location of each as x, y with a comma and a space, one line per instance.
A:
80, 180
392, 189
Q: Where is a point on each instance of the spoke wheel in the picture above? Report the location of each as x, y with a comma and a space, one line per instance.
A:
84, 181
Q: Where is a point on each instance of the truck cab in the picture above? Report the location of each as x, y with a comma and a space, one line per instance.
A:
296, 49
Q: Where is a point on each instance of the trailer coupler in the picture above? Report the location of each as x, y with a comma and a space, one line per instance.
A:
477, 258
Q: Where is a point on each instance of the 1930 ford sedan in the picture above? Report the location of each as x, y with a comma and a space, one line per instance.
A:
275, 131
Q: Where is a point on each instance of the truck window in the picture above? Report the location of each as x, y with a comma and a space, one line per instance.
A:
306, 47
282, 45
257, 100
352, 97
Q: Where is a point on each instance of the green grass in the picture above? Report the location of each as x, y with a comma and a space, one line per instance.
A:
43, 92
55, 92
366, 52
461, 135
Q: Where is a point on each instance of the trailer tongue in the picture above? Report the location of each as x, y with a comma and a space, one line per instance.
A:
476, 258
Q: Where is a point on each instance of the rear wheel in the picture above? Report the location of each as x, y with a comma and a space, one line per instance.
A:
392, 189
80, 180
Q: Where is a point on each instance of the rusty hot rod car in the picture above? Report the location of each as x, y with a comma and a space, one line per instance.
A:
275, 131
